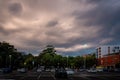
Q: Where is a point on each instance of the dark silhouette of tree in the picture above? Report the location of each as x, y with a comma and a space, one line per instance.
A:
9, 56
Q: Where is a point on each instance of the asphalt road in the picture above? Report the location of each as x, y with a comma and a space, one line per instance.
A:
50, 76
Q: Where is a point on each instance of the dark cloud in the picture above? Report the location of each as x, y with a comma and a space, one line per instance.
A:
105, 15
3, 31
94, 1
3, 14
11, 32
52, 23
43, 5
15, 8
32, 42
67, 24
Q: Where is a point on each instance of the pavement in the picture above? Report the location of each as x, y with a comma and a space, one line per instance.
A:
50, 76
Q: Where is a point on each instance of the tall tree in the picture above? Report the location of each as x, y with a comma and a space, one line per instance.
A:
46, 57
8, 55
91, 60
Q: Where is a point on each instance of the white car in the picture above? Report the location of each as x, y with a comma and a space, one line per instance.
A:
70, 71
99, 70
47, 70
92, 70
1, 70
82, 70
39, 70
23, 70
52, 70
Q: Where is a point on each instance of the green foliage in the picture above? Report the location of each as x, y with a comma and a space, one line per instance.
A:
91, 61
29, 61
48, 57
10, 57
78, 62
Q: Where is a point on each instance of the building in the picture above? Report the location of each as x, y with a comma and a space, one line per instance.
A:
103, 50
108, 56
109, 60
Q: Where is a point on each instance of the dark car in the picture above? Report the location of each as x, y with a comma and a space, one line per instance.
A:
6, 70
60, 73
117, 70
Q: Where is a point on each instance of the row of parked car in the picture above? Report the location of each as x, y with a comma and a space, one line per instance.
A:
63, 72
101, 70
9, 70
68, 70
59, 72
22, 70
5, 70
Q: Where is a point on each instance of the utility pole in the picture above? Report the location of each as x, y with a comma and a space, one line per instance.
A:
10, 61
84, 62
67, 60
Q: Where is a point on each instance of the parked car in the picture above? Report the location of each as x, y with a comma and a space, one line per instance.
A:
105, 69
60, 73
117, 69
70, 71
52, 70
39, 70
82, 70
92, 70
47, 70
6, 70
22, 70
99, 70
111, 70
1, 70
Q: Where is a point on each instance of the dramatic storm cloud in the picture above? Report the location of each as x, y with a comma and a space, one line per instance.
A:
74, 27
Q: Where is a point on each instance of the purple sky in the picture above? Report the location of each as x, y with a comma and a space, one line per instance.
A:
74, 27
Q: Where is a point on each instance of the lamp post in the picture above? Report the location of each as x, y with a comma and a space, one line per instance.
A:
33, 63
84, 62
10, 60
58, 65
67, 60
115, 61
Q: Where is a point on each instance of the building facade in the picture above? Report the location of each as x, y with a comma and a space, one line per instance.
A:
108, 56
109, 61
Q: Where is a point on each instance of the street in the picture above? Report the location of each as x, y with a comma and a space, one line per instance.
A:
50, 76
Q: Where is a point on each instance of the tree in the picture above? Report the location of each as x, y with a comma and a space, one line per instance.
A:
49, 57
91, 60
9, 56
7, 52
78, 62
46, 57
29, 61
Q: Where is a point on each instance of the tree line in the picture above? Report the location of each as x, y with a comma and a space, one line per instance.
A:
11, 57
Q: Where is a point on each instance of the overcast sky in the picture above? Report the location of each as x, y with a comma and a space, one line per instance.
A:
73, 27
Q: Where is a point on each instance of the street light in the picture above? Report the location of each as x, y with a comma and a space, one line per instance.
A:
67, 60
58, 65
84, 62
10, 60
33, 63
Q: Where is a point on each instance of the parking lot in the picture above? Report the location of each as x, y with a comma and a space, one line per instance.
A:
32, 75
